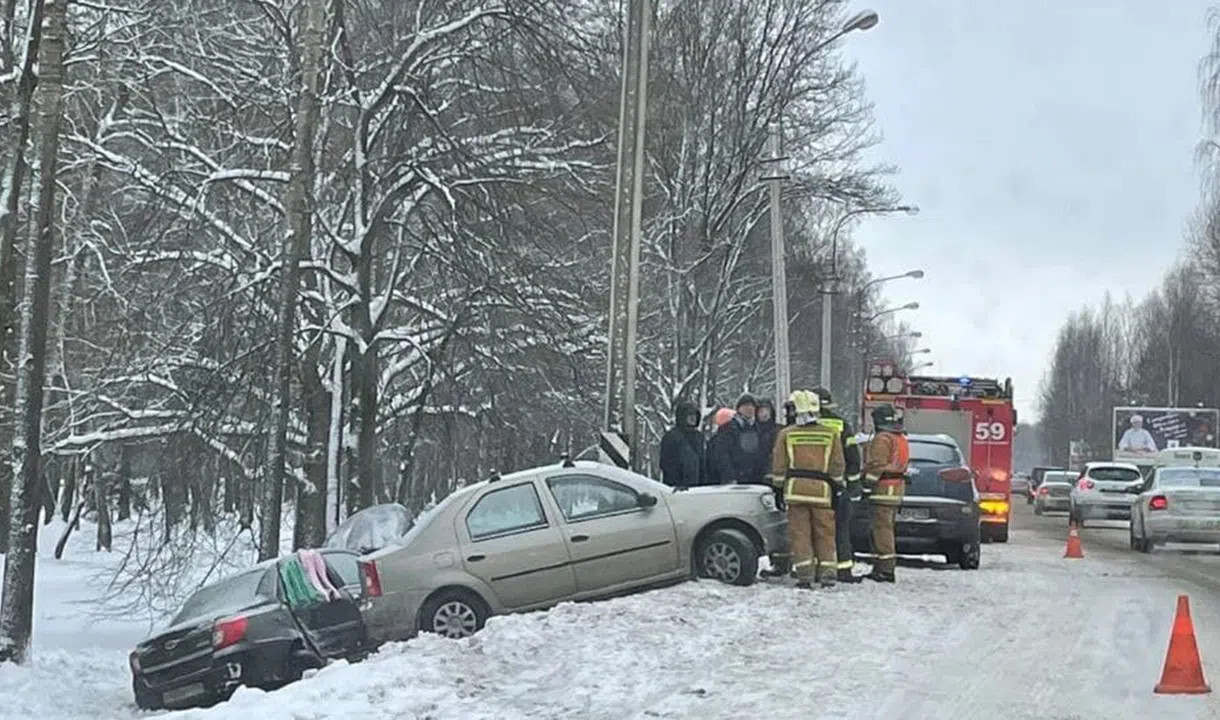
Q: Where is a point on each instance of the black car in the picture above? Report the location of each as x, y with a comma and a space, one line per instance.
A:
241, 631
939, 512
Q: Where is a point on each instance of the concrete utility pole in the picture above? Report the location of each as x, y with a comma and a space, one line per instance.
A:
863, 20
779, 272
622, 334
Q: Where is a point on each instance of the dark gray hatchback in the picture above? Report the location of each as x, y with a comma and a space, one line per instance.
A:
242, 631
939, 512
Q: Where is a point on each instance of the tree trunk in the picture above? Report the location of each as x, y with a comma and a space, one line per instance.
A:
124, 483
101, 490
311, 497
298, 209
364, 388
334, 439
68, 497
17, 606
10, 200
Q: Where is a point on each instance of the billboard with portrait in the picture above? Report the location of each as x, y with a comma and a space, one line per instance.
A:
1141, 432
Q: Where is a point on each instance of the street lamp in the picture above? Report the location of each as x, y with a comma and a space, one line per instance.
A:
914, 335
890, 311
863, 20
830, 288
920, 351
921, 366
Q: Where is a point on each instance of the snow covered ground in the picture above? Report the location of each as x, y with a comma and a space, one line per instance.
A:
1030, 635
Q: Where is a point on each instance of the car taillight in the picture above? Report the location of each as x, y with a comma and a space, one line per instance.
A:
228, 631
1158, 502
1044, 491
134, 661
1084, 484
957, 475
372, 579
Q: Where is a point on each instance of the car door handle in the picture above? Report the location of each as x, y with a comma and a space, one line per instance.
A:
475, 558
579, 538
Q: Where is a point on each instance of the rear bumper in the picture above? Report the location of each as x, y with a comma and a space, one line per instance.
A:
205, 678
394, 616
1107, 507
1054, 503
1183, 529
956, 524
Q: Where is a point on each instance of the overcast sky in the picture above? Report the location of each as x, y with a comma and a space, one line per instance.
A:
1050, 147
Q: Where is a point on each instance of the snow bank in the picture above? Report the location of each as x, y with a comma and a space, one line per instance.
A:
1030, 635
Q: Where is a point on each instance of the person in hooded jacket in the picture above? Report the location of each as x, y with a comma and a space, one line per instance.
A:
736, 452
716, 446
683, 451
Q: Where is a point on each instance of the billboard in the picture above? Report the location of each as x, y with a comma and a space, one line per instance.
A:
1140, 432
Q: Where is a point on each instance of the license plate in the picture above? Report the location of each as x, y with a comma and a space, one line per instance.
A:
913, 514
183, 693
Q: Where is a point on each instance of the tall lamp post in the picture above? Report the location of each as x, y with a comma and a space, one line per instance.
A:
831, 287
862, 20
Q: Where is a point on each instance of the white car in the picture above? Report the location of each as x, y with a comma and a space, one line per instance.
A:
1180, 504
1104, 490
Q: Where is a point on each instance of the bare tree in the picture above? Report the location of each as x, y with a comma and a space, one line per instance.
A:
17, 606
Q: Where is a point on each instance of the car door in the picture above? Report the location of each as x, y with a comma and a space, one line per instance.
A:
334, 627
510, 544
615, 539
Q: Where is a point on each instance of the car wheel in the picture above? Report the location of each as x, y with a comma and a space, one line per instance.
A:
970, 557
453, 614
1037, 509
1001, 534
728, 556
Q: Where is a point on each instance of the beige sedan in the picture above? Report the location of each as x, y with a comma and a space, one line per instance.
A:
570, 531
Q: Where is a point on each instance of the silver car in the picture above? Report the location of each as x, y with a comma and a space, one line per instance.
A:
1055, 492
1180, 504
570, 531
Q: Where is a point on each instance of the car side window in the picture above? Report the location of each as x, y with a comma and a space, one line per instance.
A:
586, 496
504, 511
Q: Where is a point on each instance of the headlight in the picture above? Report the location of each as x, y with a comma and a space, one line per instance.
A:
768, 502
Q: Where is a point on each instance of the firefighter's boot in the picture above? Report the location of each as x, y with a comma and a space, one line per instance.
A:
881, 576
845, 576
781, 566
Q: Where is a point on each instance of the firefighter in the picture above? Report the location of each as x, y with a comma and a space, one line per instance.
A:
885, 474
807, 462
844, 495
781, 562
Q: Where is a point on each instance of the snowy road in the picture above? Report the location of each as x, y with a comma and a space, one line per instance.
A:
1030, 635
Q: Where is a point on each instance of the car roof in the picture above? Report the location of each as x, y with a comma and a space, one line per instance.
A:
940, 438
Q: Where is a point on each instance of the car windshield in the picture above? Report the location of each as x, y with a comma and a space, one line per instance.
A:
1188, 477
1114, 474
219, 598
1066, 478
934, 453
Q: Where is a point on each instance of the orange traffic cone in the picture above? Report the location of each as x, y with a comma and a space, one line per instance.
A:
1073, 550
1183, 673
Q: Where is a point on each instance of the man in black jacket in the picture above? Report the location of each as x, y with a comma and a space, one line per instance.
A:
682, 449
737, 455
843, 496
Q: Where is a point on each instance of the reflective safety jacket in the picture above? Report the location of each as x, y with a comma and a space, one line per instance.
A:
805, 461
851, 449
885, 467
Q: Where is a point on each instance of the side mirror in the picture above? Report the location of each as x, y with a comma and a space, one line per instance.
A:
647, 500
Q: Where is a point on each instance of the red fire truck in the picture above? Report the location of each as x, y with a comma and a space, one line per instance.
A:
976, 412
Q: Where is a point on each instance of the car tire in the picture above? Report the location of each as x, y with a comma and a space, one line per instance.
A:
1038, 509
727, 555
454, 614
1000, 534
970, 558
